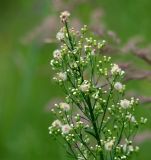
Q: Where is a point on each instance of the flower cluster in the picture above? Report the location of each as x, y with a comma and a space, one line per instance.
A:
96, 121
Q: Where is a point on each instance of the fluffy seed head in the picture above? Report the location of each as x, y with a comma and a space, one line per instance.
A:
60, 35
62, 76
85, 87
64, 106
57, 54
56, 123
66, 129
115, 69
118, 86
109, 145
64, 16
125, 103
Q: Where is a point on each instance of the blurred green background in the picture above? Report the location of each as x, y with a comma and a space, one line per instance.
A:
26, 88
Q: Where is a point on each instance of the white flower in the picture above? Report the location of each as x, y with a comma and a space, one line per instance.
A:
60, 36
131, 118
125, 103
109, 145
57, 54
136, 148
85, 86
73, 65
125, 148
143, 120
116, 70
93, 53
96, 95
123, 157
118, 86
64, 16
64, 106
66, 129
56, 124
130, 148
62, 76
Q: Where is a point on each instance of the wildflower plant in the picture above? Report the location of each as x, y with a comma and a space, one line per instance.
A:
95, 121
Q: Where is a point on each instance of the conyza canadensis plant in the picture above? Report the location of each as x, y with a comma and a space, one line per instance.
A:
95, 121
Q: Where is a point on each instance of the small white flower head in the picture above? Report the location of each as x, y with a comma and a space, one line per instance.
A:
116, 70
109, 145
125, 148
123, 157
64, 106
64, 16
56, 124
136, 148
60, 35
125, 103
85, 86
143, 120
73, 65
93, 53
66, 129
57, 54
62, 76
130, 148
96, 95
118, 86
131, 118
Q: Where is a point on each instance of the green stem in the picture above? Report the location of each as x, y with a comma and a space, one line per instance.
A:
106, 106
94, 125
75, 142
72, 47
70, 147
69, 36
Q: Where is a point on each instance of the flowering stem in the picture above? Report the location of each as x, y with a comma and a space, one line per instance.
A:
75, 142
119, 139
69, 36
106, 106
81, 152
72, 46
94, 125
70, 147
87, 146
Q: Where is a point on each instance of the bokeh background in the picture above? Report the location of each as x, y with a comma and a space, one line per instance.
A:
27, 39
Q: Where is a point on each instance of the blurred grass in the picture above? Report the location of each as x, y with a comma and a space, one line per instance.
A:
25, 85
